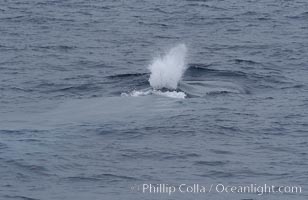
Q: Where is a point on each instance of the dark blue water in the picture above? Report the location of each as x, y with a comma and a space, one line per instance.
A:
66, 132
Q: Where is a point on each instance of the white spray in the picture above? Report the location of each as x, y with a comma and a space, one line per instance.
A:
168, 70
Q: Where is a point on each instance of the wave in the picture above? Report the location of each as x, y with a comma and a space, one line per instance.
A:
19, 197
119, 76
303, 15
198, 70
101, 177
244, 61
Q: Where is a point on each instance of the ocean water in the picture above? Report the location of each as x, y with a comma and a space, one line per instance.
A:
99, 99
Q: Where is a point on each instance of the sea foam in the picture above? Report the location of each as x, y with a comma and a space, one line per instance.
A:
171, 94
167, 70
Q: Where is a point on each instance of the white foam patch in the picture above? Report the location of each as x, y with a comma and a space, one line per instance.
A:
170, 94
136, 93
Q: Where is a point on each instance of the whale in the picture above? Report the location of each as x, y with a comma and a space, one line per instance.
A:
203, 88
